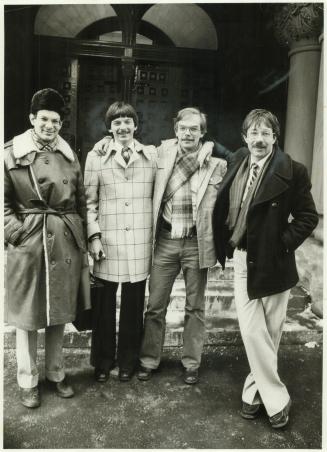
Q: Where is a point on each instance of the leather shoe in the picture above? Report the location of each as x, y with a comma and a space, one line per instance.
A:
144, 373
191, 376
61, 388
250, 411
125, 375
30, 397
280, 419
101, 375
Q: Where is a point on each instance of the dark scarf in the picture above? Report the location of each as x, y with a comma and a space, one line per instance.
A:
236, 220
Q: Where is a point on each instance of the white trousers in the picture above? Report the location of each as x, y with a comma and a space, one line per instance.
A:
261, 323
26, 354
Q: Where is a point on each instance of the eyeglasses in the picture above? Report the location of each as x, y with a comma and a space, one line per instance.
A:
193, 130
265, 134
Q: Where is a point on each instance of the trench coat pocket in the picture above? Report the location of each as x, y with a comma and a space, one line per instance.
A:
31, 224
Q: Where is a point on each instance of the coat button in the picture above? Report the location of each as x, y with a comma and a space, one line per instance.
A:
46, 161
126, 203
274, 204
66, 233
41, 180
68, 261
49, 235
53, 262
127, 228
65, 181
251, 263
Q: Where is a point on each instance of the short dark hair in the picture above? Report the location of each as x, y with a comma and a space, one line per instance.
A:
47, 99
192, 111
258, 116
120, 109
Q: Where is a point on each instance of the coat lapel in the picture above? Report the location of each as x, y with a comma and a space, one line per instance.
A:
204, 177
275, 181
166, 163
119, 159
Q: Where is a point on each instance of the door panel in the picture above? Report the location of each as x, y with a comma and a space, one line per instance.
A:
99, 86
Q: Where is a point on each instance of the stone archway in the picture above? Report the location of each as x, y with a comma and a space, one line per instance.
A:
67, 21
187, 25
191, 26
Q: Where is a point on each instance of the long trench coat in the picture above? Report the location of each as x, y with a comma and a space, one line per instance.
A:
44, 210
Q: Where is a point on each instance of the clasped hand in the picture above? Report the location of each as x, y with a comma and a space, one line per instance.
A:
96, 249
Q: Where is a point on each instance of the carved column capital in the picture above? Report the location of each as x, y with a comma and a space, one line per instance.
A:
297, 24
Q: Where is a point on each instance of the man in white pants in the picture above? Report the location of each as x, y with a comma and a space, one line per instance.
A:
262, 188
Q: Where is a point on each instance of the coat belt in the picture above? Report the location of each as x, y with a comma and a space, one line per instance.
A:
46, 211
61, 213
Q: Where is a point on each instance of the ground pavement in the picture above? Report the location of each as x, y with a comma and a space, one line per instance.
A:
164, 412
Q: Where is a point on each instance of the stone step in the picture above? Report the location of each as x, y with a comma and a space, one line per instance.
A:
217, 273
301, 326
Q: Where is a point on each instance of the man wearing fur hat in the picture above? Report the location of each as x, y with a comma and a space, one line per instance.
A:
44, 210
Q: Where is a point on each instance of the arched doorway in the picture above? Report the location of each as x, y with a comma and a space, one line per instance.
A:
159, 57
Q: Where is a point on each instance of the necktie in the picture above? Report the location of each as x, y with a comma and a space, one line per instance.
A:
253, 175
125, 154
254, 168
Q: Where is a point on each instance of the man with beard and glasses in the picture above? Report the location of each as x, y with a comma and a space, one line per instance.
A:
262, 189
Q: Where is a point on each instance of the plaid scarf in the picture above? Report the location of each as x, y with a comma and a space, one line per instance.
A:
44, 145
236, 220
179, 190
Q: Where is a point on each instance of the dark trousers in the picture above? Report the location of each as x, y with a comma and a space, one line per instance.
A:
103, 346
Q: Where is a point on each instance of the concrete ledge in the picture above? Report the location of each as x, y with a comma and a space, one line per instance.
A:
174, 337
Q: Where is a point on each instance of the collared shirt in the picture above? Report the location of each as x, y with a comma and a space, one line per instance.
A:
260, 163
134, 146
42, 146
119, 147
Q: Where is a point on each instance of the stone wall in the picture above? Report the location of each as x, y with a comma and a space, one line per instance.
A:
309, 260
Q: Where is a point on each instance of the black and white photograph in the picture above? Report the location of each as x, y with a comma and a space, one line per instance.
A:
163, 206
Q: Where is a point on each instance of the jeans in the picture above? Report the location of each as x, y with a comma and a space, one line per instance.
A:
172, 255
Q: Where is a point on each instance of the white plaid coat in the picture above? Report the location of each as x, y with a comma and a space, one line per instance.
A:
119, 206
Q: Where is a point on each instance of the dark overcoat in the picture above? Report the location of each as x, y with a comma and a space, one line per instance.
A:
44, 212
281, 216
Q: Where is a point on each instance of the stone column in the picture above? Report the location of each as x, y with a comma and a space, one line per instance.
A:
299, 25
317, 174
317, 178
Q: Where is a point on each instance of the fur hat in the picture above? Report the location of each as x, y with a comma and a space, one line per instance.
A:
47, 99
